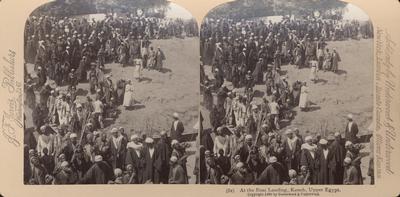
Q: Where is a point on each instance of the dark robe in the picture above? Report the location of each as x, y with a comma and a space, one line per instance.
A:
42, 77
39, 115
137, 162
274, 174
66, 176
48, 162
251, 126
164, 153
239, 179
150, 172
219, 80
108, 90
30, 97
176, 134
351, 134
117, 154
324, 172
177, 175
224, 163
257, 166
68, 151
243, 152
159, 59
336, 163
44, 94
27, 165
257, 73
207, 141
99, 173
312, 164
292, 156
351, 176
29, 139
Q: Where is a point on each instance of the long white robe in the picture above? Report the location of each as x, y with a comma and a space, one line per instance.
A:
138, 68
45, 141
303, 97
314, 70
128, 96
221, 143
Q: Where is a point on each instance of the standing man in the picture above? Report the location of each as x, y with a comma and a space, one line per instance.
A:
150, 155
177, 128
351, 130
160, 57
324, 158
98, 111
309, 158
335, 61
134, 157
118, 149
336, 163
164, 149
291, 149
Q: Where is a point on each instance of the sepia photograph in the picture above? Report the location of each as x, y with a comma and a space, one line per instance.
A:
111, 93
286, 94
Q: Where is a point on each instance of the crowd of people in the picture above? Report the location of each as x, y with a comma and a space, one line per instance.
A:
245, 47
249, 53
237, 155
62, 48
69, 143
246, 143
94, 156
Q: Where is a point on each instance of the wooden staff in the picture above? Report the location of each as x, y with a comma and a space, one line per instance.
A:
82, 134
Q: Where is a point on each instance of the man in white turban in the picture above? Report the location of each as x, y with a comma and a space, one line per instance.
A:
177, 128
351, 130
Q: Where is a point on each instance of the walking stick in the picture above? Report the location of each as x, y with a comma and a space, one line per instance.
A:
81, 138
131, 178
259, 126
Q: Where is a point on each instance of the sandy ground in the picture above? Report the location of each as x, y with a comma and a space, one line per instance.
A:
334, 95
159, 94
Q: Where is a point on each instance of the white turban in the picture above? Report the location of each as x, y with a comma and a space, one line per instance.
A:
98, 158
289, 131
350, 116
248, 137
308, 138
239, 165
134, 136
149, 140
323, 141
173, 159
272, 159
64, 164
292, 173
73, 135
348, 143
114, 130
174, 142
117, 172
